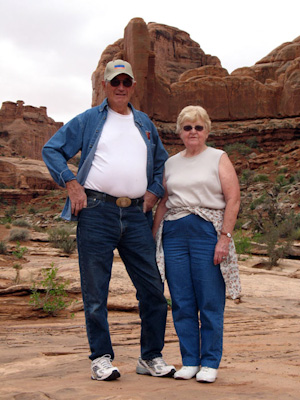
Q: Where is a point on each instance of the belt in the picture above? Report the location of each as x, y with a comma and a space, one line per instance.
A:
119, 201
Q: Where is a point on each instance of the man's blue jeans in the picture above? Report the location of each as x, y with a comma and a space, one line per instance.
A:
195, 284
102, 227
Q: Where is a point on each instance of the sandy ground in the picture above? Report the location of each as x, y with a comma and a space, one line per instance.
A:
47, 358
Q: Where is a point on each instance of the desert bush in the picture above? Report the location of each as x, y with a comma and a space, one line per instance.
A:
60, 238
20, 235
276, 225
276, 247
242, 243
297, 234
256, 202
32, 210
21, 223
11, 211
261, 178
246, 176
3, 247
19, 251
18, 268
280, 179
68, 245
241, 148
53, 297
252, 142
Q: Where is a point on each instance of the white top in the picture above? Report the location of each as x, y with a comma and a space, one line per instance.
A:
194, 181
119, 165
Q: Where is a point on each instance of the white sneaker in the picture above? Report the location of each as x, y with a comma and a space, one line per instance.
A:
186, 372
155, 367
207, 375
103, 370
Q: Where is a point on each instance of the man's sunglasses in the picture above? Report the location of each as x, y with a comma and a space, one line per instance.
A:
188, 128
116, 82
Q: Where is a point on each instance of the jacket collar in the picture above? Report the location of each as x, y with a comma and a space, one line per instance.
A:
103, 106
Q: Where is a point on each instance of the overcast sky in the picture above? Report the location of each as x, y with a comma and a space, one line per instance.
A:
50, 48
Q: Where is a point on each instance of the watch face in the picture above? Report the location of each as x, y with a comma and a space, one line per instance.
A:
228, 235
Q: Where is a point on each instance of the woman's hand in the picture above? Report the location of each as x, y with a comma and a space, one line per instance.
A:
221, 249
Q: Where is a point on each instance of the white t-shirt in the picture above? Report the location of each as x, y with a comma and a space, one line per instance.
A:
120, 162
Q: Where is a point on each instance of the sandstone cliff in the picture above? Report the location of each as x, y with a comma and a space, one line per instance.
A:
25, 129
172, 71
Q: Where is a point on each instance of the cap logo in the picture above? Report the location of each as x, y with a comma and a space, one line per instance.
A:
119, 66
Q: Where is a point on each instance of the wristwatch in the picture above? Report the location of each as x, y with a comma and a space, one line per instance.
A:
227, 234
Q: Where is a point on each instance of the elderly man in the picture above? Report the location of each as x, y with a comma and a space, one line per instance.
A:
119, 180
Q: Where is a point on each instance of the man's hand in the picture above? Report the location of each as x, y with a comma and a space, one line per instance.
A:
149, 201
77, 196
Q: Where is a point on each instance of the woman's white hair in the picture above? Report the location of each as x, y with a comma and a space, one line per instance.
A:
192, 113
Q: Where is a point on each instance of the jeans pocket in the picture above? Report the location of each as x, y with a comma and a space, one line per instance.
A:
93, 202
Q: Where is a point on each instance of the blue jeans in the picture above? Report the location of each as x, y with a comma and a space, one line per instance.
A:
195, 284
102, 227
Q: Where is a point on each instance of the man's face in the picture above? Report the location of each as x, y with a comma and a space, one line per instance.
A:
119, 96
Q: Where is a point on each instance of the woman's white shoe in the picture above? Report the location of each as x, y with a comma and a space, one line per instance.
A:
207, 375
186, 372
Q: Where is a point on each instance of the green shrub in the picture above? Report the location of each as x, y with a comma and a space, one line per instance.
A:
297, 234
276, 249
68, 245
20, 251
280, 179
246, 176
18, 268
241, 148
261, 178
283, 170
19, 235
21, 223
60, 238
242, 243
3, 247
260, 200
9, 213
252, 142
273, 224
53, 298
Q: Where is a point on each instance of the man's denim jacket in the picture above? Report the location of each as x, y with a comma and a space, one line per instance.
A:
82, 133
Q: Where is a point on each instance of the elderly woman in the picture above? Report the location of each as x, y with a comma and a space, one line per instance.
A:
193, 226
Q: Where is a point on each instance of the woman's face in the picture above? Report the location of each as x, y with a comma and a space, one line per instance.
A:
194, 134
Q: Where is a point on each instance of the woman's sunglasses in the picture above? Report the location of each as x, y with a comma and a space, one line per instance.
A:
115, 82
188, 128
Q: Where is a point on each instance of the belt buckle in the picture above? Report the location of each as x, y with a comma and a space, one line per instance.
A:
123, 202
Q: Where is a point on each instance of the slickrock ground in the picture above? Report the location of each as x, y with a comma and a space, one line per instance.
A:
47, 358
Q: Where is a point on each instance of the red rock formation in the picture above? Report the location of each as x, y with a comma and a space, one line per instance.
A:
159, 54
25, 129
172, 71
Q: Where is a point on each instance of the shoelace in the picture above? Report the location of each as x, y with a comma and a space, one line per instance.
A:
104, 362
205, 369
159, 361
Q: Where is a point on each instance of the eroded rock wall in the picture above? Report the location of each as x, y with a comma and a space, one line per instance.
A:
172, 71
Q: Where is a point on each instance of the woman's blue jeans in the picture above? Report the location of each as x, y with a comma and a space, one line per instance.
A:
195, 284
102, 227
